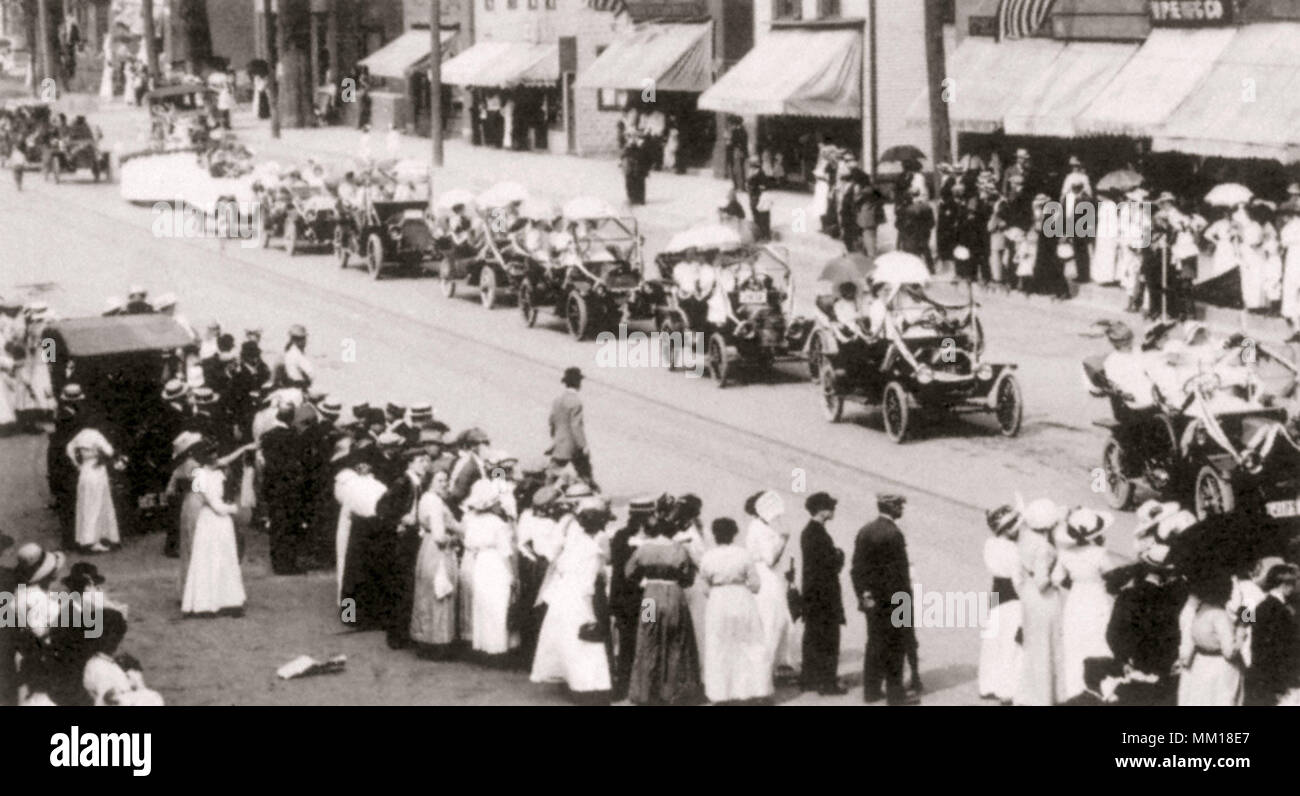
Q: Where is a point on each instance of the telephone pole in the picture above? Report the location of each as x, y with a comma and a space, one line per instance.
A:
48, 63
435, 79
272, 68
940, 135
150, 37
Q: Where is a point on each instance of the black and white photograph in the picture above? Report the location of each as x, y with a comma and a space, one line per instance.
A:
610, 353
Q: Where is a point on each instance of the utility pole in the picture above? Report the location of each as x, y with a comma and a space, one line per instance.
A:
273, 68
435, 80
150, 37
48, 63
940, 136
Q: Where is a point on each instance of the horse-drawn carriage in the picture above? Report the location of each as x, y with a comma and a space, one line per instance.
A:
1216, 441
909, 353
739, 296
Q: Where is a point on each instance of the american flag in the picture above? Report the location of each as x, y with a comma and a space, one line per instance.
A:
616, 6
1019, 19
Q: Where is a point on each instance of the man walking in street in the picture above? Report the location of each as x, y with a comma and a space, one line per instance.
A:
880, 576
568, 432
823, 607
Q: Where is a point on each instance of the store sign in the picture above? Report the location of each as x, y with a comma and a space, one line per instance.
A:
1192, 13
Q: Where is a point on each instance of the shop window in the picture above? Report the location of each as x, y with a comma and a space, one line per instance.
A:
950, 12
611, 99
787, 9
828, 8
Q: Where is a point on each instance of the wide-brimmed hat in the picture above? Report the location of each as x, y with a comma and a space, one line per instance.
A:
83, 573
184, 443
1041, 515
390, 439
1002, 519
1022, 153
35, 563
820, 501
473, 436
174, 389
579, 490
483, 496
545, 496
1170, 527
1156, 556
1084, 524
1279, 573
420, 413
203, 396
330, 408
1151, 513
71, 393
572, 377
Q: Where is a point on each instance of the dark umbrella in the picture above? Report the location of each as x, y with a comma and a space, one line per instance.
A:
1123, 181
852, 267
900, 153
1226, 543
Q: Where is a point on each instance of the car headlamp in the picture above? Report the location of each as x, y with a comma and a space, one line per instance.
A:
924, 375
985, 373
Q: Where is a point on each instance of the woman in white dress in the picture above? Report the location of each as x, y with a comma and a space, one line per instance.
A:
1087, 608
433, 618
96, 520
1255, 243
563, 653
36, 394
7, 365
736, 666
489, 540
214, 583
1289, 240
1211, 662
999, 667
1104, 266
766, 540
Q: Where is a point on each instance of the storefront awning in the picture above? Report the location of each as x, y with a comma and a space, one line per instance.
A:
1248, 106
501, 64
1052, 98
675, 57
403, 55
794, 72
1163, 72
988, 77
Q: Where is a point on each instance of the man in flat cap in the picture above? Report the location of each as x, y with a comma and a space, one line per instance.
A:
823, 606
568, 432
881, 579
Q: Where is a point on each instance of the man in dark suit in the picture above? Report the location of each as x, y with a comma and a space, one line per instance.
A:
568, 433
880, 577
470, 465
398, 511
282, 489
625, 595
1275, 648
823, 607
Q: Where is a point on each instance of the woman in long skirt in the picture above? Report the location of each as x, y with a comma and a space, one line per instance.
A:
1042, 673
999, 667
181, 488
666, 667
1289, 240
766, 541
563, 655
214, 583
96, 521
1087, 608
735, 651
1212, 673
433, 619
689, 533
489, 537
1104, 269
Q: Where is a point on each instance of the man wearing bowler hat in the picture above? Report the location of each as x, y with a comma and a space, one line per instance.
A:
823, 606
568, 432
880, 577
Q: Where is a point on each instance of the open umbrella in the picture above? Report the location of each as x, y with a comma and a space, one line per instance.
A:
411, 171
901, 153
502, 194
709, 237
853, 267
900, 268
585, 207
1123, 181
456, 196
1229, 194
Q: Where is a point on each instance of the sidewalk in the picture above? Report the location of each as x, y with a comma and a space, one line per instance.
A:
674, 202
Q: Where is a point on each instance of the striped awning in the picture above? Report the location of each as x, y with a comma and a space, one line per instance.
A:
1159, 76
667, 56
987, 80
1020, 19
1248, 105
1050, 101
794, 72
502, 64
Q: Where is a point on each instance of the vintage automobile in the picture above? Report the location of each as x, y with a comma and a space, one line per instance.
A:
384, 234
75, 154
739, 296
500, 268
1216, 443
300, 214
925, 357
121, 363
603, 269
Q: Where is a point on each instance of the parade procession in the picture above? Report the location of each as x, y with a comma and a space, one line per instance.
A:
673, 353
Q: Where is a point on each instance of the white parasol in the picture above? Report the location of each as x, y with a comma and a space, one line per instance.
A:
456, 196
411, 171
1229, 194
900, 268
710, 237
585, 207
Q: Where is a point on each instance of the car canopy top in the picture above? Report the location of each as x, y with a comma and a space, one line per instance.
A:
121, 334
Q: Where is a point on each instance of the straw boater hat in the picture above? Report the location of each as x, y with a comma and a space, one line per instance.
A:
184, 443
1002, 519
1156, 556
35, 564
204, 396
420, 413
1151, 514
641, 504
72, 393
174, 390
330, 408
1083, 524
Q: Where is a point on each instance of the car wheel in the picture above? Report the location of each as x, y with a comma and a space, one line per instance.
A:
578, 315
374, 255
446, 278
814, 356
719, 359
832, 401
487, 287
1010, 406
526, 307
1214, 493
894, 410
1119, 487
341, 252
